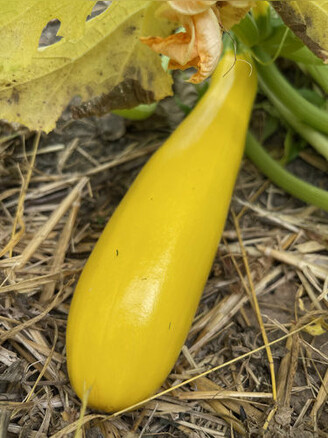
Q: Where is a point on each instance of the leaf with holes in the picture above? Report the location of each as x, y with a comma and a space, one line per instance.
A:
308, 19
101, 57
22, 21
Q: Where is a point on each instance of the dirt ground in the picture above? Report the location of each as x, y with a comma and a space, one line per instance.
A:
56, 195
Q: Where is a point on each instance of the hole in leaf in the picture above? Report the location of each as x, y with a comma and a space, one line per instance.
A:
98, 9
49, 34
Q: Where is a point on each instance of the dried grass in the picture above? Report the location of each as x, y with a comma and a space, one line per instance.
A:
269, 280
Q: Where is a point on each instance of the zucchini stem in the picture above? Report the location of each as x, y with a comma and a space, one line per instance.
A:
288, 95
316, 139
282, 177
320, 74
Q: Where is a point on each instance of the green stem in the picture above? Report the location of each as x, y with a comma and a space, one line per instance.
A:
317, 140
282, 178
300, 107
320, 74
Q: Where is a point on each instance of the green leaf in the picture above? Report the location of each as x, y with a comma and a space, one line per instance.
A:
292, 47
292, 147
101, 60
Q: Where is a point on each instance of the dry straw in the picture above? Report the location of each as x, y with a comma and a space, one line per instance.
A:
256, 357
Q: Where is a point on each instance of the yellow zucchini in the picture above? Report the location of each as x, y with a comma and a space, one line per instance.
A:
139, 291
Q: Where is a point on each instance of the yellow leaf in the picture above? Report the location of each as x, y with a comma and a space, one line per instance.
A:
107, 59
317, 329
308, 19
22, 21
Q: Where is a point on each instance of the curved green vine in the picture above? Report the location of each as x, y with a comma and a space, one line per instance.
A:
282, 177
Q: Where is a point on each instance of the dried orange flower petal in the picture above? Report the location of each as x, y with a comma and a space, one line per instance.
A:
191, 7
200, 45
231, 12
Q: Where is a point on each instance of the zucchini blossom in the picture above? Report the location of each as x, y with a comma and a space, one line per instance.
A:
199, 45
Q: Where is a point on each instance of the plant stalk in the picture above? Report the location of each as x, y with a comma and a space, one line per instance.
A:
282, 177
317, 140
288, 95
320, 74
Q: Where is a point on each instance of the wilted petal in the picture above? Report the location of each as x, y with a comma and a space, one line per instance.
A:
208, 44
191, 7
231, 12
180, 47
200, 46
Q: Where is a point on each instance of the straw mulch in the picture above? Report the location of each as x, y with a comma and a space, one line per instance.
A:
268, 285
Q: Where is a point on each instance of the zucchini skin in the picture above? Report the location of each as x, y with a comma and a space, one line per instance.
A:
139, 290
